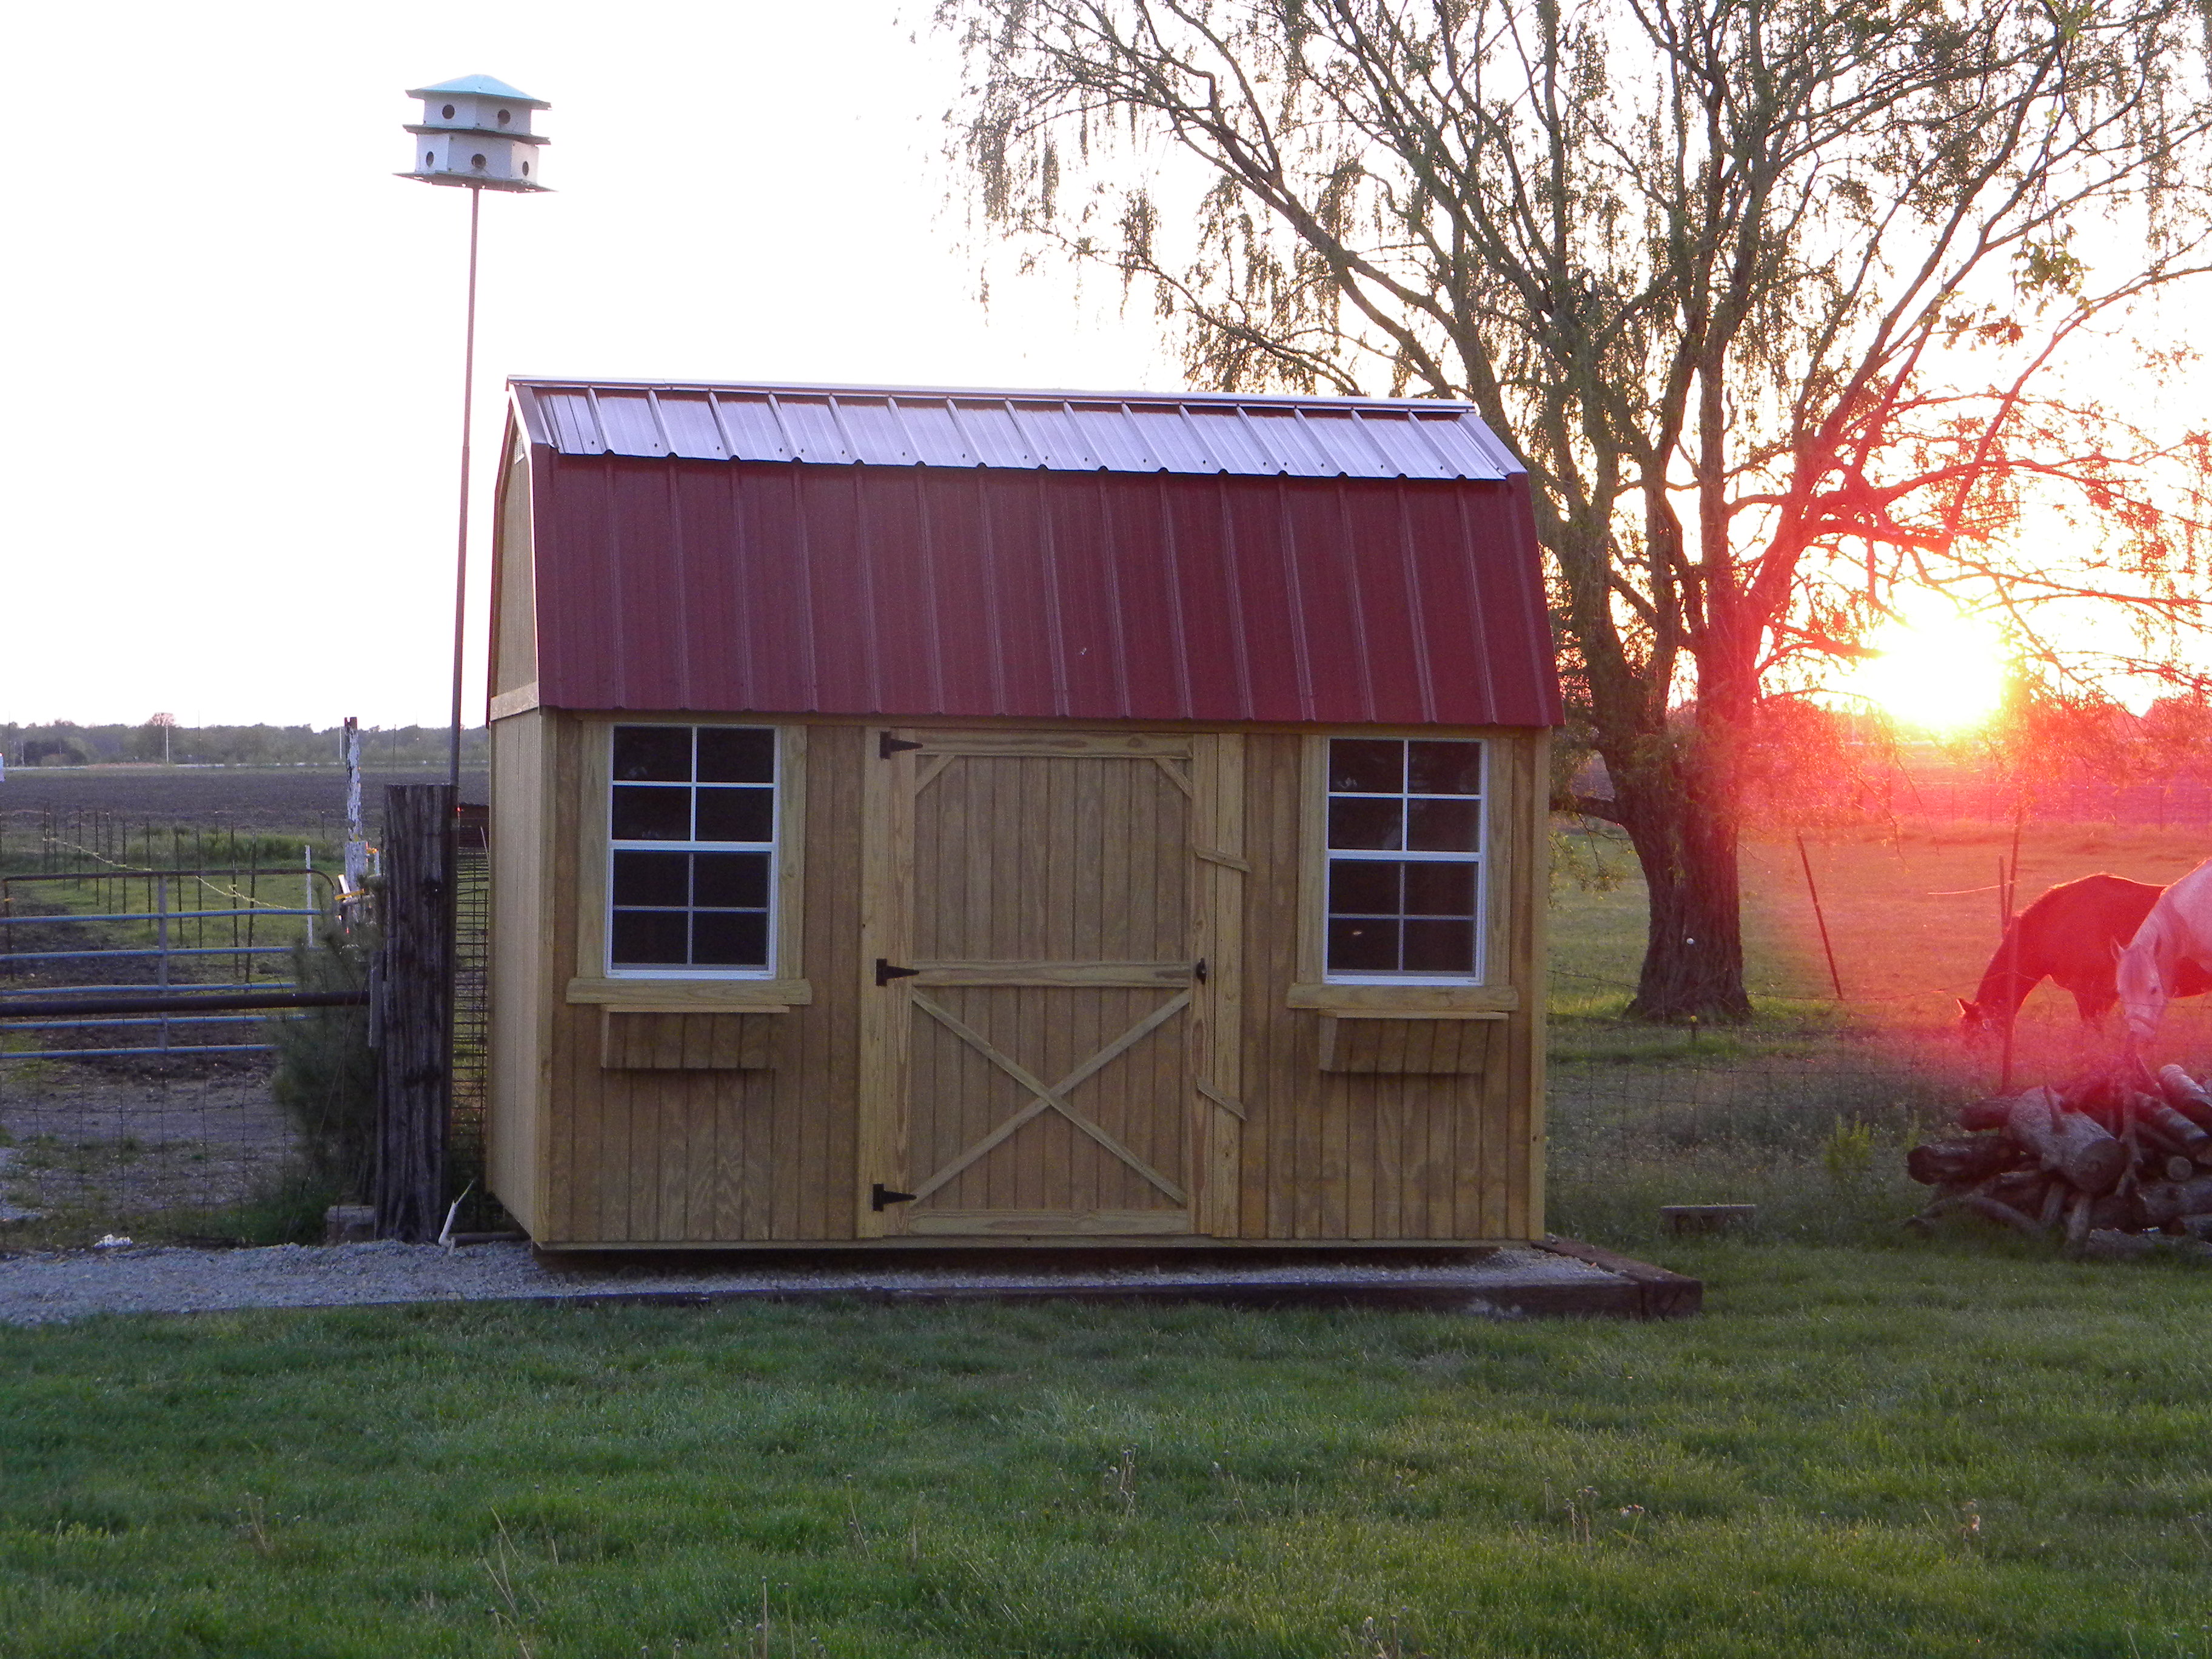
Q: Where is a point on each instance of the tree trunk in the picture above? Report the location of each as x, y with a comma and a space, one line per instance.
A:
414, 1067
1681, 821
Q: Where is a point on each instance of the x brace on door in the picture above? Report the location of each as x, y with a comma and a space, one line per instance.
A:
1054, 1098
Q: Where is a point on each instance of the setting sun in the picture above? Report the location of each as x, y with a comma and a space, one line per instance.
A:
1939, 670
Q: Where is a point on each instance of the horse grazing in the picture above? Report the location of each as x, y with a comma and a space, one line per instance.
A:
2070, 936
2170, 954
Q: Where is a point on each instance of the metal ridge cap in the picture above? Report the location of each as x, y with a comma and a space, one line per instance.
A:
992, 394
523, 400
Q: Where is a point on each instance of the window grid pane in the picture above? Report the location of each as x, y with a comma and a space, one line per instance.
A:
692, 854
1404, 853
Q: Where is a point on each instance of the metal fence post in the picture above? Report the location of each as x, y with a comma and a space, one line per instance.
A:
162, 941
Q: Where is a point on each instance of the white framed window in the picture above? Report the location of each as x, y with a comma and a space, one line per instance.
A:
1404, 855
692, 854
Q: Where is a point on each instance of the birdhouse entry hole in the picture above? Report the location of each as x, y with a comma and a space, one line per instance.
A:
429, 159
504, 118
476, 160
447, 113
526, 169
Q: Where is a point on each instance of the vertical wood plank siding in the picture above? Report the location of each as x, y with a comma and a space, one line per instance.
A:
1277, 1147
690, 1156
522, 1000
1372, 1154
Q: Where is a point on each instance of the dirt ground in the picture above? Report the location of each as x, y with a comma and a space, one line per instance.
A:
232, 798
79, 1141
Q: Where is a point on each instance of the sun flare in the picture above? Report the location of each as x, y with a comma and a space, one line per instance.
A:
1938, 670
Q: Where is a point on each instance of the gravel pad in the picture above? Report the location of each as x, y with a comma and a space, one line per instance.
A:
51, 1288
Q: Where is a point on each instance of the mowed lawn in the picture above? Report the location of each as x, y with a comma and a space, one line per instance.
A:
1870, 1445
1848, 1454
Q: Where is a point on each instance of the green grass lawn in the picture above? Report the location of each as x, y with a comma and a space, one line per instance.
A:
1870, 1445
1853, 1453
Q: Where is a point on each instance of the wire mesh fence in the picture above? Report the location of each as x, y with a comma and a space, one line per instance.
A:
111, 1113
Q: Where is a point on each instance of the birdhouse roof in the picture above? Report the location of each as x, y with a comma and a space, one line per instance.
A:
1036, 554
479, 86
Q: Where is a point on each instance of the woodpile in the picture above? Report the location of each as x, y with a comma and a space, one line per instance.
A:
2109, 1163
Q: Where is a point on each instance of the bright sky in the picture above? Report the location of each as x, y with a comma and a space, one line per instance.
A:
1939, 669
232, 339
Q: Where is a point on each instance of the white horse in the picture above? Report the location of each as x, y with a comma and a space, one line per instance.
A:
2177, 934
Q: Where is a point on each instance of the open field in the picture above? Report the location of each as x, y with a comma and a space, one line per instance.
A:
275, 798
1853, 1453
1807, 1111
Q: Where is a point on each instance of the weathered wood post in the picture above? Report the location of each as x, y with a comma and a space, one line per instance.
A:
414, 1091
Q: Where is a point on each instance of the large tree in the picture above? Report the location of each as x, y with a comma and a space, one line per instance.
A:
1784, 302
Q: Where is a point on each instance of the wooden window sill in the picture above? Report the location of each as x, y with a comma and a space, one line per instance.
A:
1409, 1001
681, 996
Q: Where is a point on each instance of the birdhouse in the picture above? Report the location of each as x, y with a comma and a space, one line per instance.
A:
476, 131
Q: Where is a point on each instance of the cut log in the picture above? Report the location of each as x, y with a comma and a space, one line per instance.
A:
2022, 1188
2169, 1201
2090, 1157
1991, 1209
2123, 1212
2054, 1204
2167, 1125
2186, 1095
2077, 1221
1935, 1162
2179, 1168
1990, 1112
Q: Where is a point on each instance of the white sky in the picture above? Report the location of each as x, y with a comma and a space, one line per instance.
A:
232, 339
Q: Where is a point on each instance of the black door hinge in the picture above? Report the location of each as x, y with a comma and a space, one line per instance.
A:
1198, 970
890, 745
885, 973
883, 1197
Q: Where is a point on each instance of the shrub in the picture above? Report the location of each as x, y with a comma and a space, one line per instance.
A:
325, 1076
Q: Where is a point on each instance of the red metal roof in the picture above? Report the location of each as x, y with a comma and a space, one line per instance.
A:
1100, 562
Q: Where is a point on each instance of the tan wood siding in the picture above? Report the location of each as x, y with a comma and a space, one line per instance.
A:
1018, 966
1379, 1147
522, 910
641, 1039
1042, 1058
515, 604
674, 1152
1403, 1047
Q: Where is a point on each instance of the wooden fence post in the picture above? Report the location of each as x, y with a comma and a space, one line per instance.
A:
414, 1091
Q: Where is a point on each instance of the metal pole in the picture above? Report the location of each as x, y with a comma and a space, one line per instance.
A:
162, 926
461, 556
2007, 879
1820, 916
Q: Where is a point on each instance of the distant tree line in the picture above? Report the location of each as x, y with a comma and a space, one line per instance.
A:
1807, 765
64, 742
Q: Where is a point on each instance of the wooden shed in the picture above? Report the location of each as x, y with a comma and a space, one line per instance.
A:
927, 818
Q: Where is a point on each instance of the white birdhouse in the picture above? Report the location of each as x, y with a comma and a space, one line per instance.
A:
476, 131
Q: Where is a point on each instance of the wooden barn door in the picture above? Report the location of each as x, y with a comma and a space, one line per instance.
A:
1047, 957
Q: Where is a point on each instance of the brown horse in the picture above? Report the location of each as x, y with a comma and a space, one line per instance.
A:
2071, 936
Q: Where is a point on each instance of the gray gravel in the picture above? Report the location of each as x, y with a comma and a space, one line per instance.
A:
52, 1287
